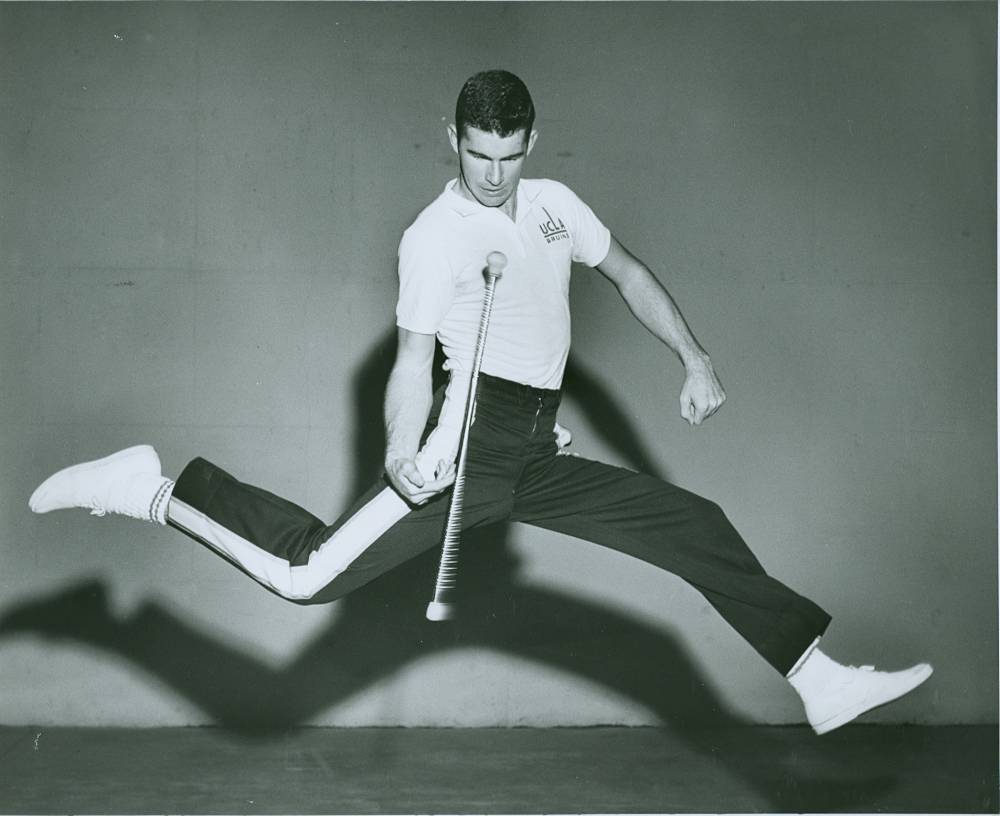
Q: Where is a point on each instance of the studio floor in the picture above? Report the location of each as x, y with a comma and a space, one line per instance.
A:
607, 770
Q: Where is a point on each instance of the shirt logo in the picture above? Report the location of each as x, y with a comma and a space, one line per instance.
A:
553, 229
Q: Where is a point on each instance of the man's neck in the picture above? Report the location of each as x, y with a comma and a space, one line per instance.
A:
510, 206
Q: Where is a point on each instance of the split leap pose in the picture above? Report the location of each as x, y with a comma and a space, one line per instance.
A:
513, 468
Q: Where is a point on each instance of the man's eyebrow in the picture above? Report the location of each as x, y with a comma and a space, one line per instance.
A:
479, 155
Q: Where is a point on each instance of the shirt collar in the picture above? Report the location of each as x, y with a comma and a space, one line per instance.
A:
526, 195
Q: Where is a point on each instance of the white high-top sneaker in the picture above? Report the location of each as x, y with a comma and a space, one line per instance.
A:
128, 483
834, 694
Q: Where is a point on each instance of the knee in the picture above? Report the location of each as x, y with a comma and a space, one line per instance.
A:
708, 509
316, 595
293, 589
711, 515
307, 600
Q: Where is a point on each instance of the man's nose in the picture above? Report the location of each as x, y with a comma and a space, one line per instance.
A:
495, 174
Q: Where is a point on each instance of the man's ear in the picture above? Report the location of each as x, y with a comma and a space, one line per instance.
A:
453, 137
531, 141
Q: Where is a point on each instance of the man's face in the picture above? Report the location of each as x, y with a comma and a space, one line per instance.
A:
490, 164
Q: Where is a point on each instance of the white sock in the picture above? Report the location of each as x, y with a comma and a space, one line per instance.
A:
805, 656
160, 500
813, 673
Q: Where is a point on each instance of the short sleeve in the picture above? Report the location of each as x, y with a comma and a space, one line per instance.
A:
591, 239
426, 286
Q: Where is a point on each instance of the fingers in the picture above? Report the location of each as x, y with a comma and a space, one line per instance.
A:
687, 410
695, 409
409, 473
563, 436
404, 476
444, 475
702, 394
433, 487
443, 469
440, 484
410, 483
716, 405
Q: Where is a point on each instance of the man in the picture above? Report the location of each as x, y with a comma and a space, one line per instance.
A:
514, 470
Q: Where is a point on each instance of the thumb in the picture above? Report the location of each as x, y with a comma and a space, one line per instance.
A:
412, 473
687, 409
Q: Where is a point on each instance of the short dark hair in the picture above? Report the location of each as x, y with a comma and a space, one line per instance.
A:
495, 102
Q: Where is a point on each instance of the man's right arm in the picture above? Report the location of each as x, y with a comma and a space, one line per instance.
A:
407, 405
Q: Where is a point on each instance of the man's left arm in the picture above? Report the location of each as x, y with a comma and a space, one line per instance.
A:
652, 305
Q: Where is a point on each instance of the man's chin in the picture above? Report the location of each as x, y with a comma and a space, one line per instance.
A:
478, 194
492, 200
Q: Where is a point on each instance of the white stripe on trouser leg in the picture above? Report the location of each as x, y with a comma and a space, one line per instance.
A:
334, 555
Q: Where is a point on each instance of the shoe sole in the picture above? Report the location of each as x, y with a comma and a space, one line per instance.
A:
856, 711
127, 453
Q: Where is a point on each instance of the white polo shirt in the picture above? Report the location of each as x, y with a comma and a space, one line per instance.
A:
441, 260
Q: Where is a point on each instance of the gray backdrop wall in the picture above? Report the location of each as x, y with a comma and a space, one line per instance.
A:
200, 211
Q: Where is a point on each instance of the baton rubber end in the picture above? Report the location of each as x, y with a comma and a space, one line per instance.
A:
437, 611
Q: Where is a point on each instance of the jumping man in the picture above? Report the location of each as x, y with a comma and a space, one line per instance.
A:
514, 468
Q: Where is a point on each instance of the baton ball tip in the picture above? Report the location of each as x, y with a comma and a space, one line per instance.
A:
495, 262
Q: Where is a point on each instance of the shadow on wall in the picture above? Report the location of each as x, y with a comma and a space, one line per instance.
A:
499, 613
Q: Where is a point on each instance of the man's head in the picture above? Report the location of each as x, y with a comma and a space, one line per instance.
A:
492, 136
495, 102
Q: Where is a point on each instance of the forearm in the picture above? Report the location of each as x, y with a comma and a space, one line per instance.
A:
655, 309
407, 405
702, 394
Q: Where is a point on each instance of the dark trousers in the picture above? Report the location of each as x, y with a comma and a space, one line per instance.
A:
514, 473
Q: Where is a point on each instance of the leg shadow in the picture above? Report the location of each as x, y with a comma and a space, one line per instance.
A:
629, 658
